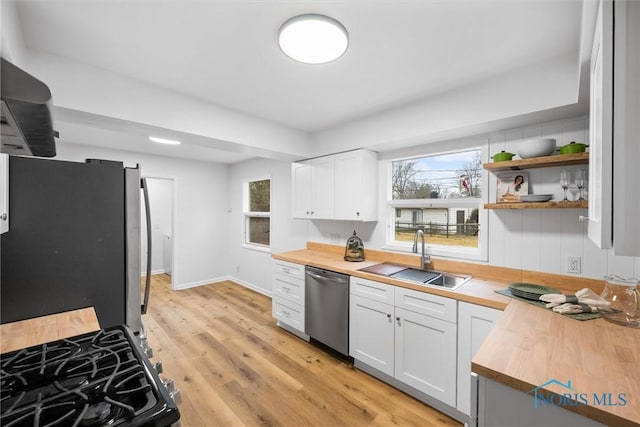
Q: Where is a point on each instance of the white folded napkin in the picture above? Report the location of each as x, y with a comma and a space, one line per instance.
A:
569, 308
584, 296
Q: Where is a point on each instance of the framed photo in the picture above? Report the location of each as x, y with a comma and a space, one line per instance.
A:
511, 185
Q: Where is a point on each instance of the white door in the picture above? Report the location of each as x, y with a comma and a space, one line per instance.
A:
474, 324
301, 189
349, 188
600, 129
322, 187
426, 354
371, 333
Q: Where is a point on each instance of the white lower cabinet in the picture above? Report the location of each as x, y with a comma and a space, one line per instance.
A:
426, 354
371, 333
474, 324
410, 345
288, 294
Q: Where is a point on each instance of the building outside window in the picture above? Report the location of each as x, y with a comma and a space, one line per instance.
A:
257, 214
441, 194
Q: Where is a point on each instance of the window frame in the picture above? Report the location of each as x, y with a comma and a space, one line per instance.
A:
247, 214
458, 252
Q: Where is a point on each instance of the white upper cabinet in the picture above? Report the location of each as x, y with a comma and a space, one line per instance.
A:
356, 177
626, 129
313, 187
4, 193
614, 126
322, 187
600, 129
301, 184
340, 186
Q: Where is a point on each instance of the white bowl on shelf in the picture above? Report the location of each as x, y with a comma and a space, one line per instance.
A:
536, 148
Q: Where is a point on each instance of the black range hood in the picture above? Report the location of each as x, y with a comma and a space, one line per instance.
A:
27, 126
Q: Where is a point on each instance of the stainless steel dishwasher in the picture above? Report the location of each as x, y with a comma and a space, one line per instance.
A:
327, 308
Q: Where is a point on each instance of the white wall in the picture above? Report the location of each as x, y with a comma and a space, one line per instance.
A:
248, 266
532, 239
161, 207
104, 93
12, 43
201, 233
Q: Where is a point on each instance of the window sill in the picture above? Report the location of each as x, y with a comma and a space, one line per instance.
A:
440, 252
258, 248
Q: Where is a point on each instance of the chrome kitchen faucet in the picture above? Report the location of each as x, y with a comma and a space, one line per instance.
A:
424, 259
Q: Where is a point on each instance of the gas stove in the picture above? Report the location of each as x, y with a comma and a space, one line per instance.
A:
96, 379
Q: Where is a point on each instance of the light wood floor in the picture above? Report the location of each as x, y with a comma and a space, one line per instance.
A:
235, 367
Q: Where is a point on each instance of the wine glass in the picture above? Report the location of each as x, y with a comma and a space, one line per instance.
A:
564, 183
580, 179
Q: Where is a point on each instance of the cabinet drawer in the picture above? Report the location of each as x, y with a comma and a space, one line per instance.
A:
427, 304
287, 312
372, 290
288, 269
288, 288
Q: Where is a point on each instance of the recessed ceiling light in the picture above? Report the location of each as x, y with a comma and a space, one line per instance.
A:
164, 141
313, 39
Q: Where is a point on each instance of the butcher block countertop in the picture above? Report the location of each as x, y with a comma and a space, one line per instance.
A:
39, 330
330, 257
595, 355
528, 346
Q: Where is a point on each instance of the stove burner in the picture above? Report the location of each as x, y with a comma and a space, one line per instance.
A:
97, 414
96, 379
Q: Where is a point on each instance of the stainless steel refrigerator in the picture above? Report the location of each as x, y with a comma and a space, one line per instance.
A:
73, 242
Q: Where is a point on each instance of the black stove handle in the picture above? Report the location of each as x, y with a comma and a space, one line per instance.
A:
147, 286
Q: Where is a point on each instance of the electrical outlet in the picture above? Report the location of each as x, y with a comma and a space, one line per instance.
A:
574, 264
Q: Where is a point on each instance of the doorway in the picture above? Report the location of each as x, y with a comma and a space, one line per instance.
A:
162, 210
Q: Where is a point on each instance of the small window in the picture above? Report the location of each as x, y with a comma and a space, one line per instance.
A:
441, 195
257, 224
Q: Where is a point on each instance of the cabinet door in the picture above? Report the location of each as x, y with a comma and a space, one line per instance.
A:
474, 324
4, 193
301, 189
626, 128
371, 333
287, 312
425, 355
356, 186
600, 129
349, 191
322, 188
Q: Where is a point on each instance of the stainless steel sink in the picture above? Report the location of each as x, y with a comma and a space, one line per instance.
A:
434, 278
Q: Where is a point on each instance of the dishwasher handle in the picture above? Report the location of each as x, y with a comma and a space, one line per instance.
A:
327, 277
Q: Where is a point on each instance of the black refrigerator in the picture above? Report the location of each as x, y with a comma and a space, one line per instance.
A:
73, 241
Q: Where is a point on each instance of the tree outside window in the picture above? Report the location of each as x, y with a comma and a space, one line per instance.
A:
258, 213
439, 194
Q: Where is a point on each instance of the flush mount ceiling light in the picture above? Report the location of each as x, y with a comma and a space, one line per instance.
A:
164, 141
313, 39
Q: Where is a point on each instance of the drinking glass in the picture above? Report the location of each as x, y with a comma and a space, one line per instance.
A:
580, 180
565, 178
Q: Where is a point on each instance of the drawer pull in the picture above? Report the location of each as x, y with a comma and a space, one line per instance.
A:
286, 290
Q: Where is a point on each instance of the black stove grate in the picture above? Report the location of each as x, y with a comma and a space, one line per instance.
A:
96, 379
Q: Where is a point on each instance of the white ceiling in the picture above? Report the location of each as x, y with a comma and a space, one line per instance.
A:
225, 52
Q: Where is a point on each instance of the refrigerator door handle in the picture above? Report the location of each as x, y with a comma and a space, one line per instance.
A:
147, 286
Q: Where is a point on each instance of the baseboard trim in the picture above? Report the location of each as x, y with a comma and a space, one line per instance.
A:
250, 286
201, 283
222, 279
